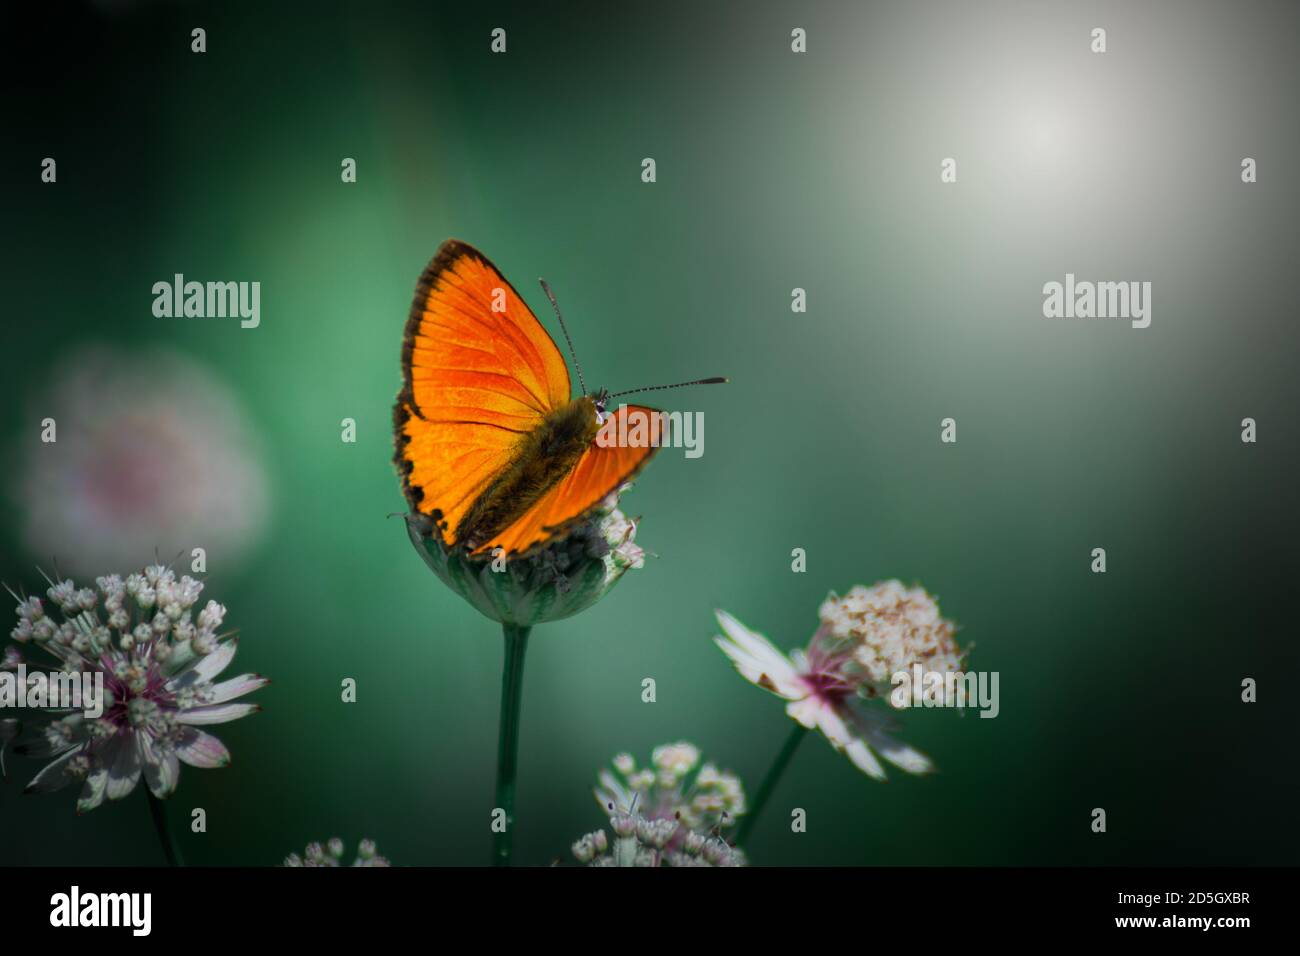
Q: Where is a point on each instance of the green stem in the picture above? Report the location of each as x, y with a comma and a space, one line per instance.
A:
158, 811
769, 782
512, 692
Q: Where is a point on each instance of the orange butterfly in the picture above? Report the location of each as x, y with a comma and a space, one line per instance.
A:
490, 444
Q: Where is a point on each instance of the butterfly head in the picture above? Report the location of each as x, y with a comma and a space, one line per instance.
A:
601, 401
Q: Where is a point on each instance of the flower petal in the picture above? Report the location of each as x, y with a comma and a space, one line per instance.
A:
864, 759
236, 687
757, 659
899, 754
199, 749
611, 790
92, 794
54, 776
206, 667
838, 726
805, 711
124, 771
161, 770
216, 714
54, 738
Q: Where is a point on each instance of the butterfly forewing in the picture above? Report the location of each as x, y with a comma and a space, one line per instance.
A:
479, 371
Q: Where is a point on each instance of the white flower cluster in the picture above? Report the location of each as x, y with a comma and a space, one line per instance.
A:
667, 813
161, 615
639, 841
157, 662
675, 786
888, 628
330, 853
619, 532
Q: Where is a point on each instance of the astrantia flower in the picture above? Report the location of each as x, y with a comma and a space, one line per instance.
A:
563, 578
638, 841
330, 853
158, 662
675, 786
865, 638
151, 454
889, 628
669, 813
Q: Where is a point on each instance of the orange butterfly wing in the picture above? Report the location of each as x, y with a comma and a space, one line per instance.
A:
600, 471
480, 371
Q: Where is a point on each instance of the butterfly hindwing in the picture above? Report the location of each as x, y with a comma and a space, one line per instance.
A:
601, 470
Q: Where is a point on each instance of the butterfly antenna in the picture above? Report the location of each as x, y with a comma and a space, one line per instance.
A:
556, 306
717, 380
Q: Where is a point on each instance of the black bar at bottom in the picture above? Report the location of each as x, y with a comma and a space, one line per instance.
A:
832, 904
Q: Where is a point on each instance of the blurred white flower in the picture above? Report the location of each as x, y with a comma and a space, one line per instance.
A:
889, 628
864, 639
675, 786
641, 842
158, 664
330, 854
152, 456
670, 813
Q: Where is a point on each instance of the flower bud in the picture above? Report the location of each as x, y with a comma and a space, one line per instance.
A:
561, 579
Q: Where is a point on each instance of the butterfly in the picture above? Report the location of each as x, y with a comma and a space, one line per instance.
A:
490, 443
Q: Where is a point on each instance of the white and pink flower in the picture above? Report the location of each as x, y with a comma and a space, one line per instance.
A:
147, 452
159, 665
864, 638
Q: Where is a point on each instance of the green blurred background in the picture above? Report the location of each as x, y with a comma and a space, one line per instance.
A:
775, 171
